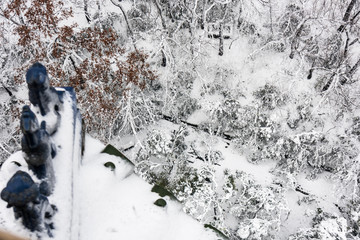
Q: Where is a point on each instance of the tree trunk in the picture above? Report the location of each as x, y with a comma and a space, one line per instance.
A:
163, 22
296, 36
221, 40
351, 72
163, 62
127, 23
347, 15
203, 16
271, 18
7, 90
87, 15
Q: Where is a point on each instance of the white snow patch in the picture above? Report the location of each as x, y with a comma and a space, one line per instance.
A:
117, 208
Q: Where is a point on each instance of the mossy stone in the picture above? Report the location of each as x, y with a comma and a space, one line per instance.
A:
111, 150
162, 192
110, 165
160, 202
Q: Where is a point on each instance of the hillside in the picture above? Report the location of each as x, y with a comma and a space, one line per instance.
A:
246, 111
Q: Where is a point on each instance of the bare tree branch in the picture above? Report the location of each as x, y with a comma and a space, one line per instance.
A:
347, 15
127, 22
10, 19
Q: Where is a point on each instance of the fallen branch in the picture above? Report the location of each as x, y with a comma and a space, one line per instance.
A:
301, 190
7, 90
197, 127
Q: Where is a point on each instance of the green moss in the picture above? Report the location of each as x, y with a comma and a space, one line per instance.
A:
163, 192
160, 202
110, 165
217, 231
110, 149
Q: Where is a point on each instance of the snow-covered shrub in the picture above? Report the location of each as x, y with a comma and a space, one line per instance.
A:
150, 160
214, 157
245, 123
231, 117
184, 80
291, 19
177, 143
355, 128
284, 179
10, 133
199, 194
178, 102
310, 150
251, 129
303, 113
348, 187
352, 215
187, 107
181, 106
221, 85
155, 145
325, 226
257, 209
139, 17
162, 157
246, 28
137, 110
270, 97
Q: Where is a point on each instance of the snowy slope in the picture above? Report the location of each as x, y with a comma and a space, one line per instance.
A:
115, 207
110, 205
301, 206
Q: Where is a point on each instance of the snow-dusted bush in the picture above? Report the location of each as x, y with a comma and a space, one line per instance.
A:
269, 97
93, 59
290, 20
9, 128
352, 215
179, 103
137, 109
162, 157
312, 151
246, 28
325, 226
257, 209
199, 194
233, 118
140, 18
249, 126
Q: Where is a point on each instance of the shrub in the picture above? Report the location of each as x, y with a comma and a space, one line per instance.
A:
269, 97
325, 226
92, 60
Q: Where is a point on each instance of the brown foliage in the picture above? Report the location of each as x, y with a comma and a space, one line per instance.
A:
90, 60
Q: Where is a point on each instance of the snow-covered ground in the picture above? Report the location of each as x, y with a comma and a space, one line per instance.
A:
113, 204
96, 203
118, 204
302, 208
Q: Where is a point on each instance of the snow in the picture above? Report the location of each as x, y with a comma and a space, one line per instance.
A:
109, 204
63, 167
4, 96
119, 205
114, 206
302, 208
235, 161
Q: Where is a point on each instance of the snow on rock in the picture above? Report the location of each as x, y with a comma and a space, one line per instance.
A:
114, 206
